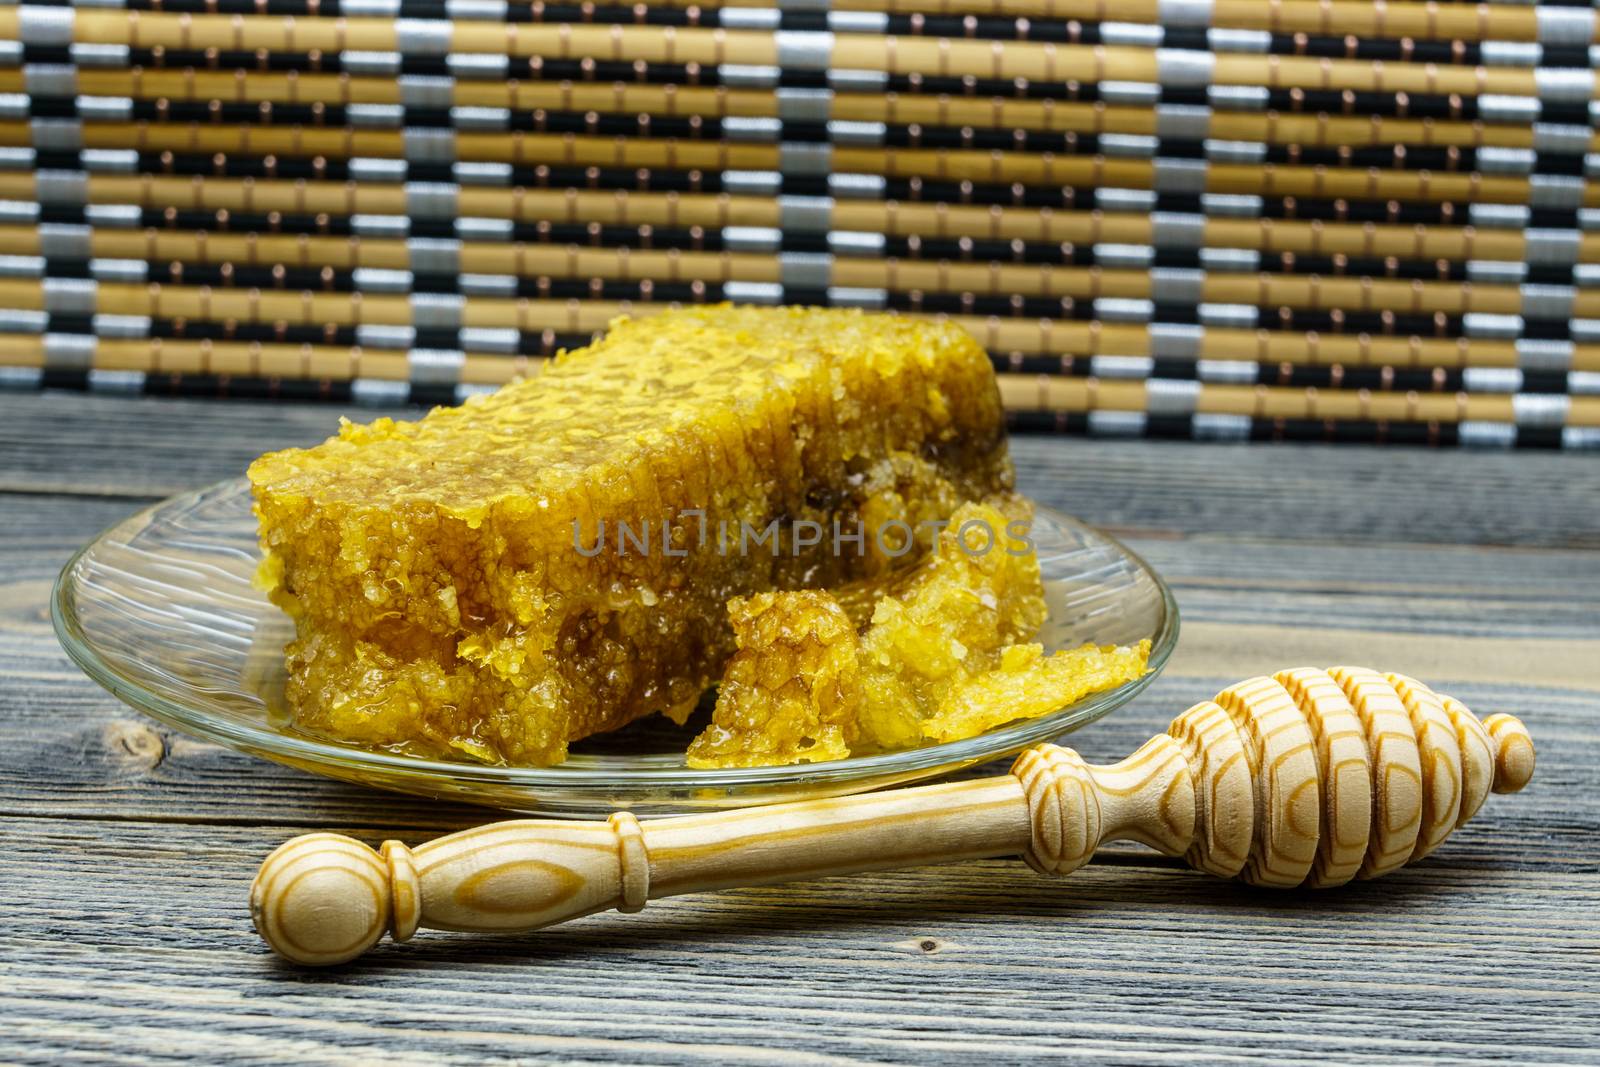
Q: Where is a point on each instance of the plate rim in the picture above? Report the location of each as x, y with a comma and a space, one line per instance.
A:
312, 753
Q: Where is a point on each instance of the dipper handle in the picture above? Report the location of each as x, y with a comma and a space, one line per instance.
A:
1308, 777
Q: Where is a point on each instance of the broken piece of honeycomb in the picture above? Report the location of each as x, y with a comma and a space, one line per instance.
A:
978, 592
942, 658
791, 692
1026, 684
445, 577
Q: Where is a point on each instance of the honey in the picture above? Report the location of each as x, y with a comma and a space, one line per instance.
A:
792, 692
978, 591
556, 559
1026, 683
945, 656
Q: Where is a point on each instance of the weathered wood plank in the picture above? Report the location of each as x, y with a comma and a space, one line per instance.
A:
1115, 964
59, 442
152, 447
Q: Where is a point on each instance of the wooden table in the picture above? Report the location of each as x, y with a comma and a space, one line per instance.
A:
126, 850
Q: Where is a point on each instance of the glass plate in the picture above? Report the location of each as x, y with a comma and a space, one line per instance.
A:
161, 611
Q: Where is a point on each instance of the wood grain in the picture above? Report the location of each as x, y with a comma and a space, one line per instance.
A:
931, 965
128, 850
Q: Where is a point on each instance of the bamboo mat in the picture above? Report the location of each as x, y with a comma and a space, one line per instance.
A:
1210, 219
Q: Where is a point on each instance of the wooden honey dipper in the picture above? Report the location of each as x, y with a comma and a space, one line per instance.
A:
1309, 777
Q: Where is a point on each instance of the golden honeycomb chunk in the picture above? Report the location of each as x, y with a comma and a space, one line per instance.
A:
791, 692
942, 658
499, 579
949, 619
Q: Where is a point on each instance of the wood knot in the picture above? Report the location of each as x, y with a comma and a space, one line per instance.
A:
1063, 809
135, 743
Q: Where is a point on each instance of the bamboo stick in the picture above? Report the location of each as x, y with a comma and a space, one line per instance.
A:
1464, 21
944, 57
992, 167
1055, 393
721, 210
1068, 340
564, 259
1256, 289
1318, 130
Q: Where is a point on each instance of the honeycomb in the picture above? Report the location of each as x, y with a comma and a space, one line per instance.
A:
1026, 684
475, 582
978, 591
791, 692
943, 656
